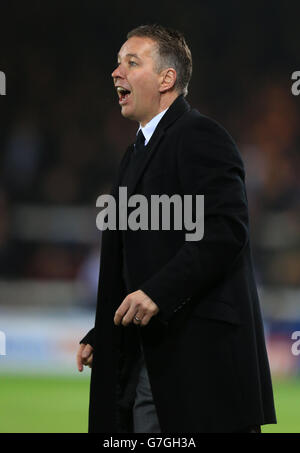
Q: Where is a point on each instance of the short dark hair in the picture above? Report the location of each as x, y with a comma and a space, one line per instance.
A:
173, 52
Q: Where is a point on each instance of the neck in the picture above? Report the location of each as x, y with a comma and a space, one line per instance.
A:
165, 101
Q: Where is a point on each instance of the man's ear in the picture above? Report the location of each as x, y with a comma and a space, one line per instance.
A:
168, 79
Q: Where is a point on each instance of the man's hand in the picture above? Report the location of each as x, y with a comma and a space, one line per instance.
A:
84, 356
137, 307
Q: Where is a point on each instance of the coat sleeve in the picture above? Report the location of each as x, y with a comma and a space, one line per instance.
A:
89, 338
209, 164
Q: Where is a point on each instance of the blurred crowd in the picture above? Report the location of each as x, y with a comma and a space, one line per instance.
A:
62, 137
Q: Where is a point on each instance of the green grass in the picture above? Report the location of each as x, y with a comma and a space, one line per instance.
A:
287, 405
43, 404
37, 404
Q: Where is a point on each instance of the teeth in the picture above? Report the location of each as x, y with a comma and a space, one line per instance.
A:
121, 90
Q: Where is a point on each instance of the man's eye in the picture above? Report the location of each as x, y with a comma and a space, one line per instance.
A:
132, 63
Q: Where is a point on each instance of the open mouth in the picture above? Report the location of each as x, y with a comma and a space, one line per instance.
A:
123, 94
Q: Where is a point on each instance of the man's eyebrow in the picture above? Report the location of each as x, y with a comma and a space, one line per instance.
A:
130, 55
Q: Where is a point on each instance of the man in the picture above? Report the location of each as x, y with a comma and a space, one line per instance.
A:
178, 342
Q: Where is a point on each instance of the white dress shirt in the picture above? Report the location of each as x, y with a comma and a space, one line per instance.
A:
150, 127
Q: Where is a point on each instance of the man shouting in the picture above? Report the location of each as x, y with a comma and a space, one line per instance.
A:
178, 342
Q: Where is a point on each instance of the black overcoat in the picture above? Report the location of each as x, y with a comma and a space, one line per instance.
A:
205, 349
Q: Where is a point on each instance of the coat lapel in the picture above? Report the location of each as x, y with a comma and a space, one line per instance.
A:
123, 165
178, 108
151, 149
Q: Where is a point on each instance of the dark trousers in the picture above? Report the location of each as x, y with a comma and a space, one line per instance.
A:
145, 418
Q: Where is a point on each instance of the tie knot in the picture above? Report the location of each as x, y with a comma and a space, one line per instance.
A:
140, 140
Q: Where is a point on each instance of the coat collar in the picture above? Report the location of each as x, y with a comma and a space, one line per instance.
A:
176, 109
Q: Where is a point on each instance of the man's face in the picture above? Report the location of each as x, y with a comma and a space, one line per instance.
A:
136, 74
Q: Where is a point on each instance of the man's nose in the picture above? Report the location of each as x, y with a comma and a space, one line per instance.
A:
117, 72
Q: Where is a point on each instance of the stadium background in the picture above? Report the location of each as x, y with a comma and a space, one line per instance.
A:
61, 138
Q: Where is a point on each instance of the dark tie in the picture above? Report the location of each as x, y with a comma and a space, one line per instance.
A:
139, 143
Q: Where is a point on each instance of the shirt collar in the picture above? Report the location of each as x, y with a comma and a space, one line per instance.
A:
150, 127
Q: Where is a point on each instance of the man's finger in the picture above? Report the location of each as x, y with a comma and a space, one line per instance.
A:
121, 311
146, 319
79, 357
87, 351
89, 361
131, 313
137, 319
83, 353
